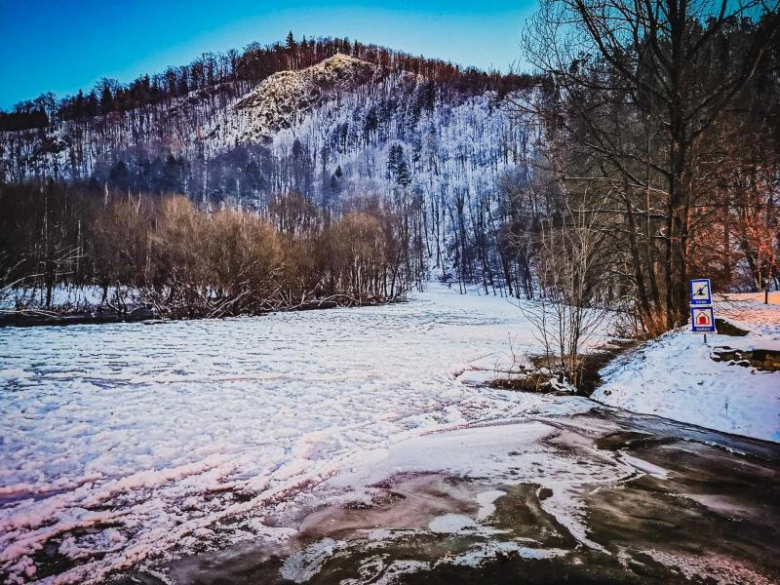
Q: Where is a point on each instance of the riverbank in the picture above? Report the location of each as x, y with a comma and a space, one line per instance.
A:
95, 315
679, 376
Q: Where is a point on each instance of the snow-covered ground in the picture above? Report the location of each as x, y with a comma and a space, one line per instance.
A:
125, 441
675, 376
62, 296
130, 438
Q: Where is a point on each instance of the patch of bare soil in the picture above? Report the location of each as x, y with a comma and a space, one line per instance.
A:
539, 378
765, 360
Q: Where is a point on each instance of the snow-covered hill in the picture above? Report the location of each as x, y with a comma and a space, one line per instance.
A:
340, 112
337, 132
286, 98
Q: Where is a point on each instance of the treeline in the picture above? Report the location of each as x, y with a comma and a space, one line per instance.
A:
23, 119
249, 67
184, 261
661, 156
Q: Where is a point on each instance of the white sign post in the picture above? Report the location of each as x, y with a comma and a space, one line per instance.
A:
702, 313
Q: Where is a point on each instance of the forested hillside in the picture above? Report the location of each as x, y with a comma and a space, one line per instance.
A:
608, 179
324, 128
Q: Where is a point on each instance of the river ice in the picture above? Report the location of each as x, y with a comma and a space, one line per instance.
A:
126, 443
120, 441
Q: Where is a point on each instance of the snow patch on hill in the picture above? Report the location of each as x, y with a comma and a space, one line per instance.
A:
286, 97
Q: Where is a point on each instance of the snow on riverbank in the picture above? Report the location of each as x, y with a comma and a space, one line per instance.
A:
122, 440
675, 376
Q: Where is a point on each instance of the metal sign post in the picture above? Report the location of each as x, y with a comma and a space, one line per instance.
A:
702, 313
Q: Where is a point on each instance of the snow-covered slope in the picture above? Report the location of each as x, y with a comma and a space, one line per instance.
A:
285, 98
338, 132
226, 142
675, 376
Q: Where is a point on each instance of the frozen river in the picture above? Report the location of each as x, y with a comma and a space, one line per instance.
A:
122, 440
351, 446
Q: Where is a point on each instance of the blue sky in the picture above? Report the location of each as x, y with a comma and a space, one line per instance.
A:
65, 45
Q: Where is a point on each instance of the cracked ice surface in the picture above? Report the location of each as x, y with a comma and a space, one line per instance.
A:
119, 441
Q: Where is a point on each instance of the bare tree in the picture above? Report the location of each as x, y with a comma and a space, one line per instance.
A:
569, 273
640, 87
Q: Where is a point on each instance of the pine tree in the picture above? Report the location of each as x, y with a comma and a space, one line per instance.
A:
106, 99
78, 106
395, 157
403, 177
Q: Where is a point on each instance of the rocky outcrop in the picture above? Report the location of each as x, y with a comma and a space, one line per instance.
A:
767, 360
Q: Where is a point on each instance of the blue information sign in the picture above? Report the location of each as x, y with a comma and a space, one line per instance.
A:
701, 293
702, 320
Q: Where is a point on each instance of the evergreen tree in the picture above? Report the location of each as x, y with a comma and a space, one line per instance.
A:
395, 157
290, 41
403, 177
119, 177
172, 175
106, 99
78, 106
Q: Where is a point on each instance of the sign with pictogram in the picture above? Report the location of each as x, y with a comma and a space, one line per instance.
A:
702, 320
701, 293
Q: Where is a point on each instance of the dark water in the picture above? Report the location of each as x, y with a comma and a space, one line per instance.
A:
711, 515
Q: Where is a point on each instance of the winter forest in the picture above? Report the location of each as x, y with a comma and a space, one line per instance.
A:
327, 169
366, 171
324, 312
